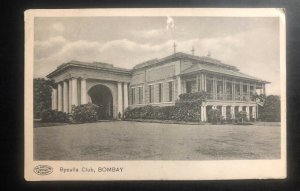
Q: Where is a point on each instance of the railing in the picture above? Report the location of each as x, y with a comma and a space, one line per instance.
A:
228, 96
237, 97
210, 95
219, 96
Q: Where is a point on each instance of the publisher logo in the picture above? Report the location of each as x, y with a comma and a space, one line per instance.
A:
43, 170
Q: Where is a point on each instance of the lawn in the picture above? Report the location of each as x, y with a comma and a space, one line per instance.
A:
125, 140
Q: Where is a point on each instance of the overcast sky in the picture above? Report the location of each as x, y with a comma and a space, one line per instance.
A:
251, 44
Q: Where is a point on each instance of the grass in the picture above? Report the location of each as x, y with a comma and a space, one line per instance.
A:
127, 140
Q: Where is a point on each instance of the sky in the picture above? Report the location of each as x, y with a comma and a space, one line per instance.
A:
251, 44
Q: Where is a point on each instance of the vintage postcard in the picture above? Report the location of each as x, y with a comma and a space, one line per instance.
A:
155, 94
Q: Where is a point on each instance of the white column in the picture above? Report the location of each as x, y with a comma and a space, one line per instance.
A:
232, 112
60, 98
254, 112
178, 86
203, 113
74, 92
248, 112
83, 91
120, 104
54, 99
65, 97
70, 95
126, 95
223, 110
240, 108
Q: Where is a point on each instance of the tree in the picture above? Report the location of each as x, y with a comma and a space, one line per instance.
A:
42, 95
271, 109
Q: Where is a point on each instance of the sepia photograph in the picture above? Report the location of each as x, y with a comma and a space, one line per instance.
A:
109, 92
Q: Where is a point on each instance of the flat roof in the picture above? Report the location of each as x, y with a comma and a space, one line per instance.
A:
92, 65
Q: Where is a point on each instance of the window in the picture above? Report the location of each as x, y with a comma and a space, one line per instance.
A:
170, 91
209, 88
140, 95
133, 95
160, 89
151, 93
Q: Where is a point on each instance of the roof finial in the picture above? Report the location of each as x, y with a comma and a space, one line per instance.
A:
209, 54
174, 46
193, 50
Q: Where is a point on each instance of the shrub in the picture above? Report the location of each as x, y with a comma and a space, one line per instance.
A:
242, 116
49, 115
214, 116
185, 109
85, 113
193, 96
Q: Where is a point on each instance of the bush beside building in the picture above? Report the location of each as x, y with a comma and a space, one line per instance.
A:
42, 90
85, 113
186, 109
49, 115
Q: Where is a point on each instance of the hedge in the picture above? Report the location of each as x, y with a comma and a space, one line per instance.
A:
187, 108
85, 113
214, 116
49, 115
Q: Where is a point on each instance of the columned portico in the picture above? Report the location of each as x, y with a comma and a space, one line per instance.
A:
114, 95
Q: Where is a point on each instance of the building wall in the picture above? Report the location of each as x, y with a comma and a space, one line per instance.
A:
154, 76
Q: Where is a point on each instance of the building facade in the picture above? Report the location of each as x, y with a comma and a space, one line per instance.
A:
156, 82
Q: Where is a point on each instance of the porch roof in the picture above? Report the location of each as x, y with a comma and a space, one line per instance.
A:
215, 69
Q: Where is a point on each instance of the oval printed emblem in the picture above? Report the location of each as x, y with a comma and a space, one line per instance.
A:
43, 169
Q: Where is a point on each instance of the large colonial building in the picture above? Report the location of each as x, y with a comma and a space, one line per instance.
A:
156, 82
